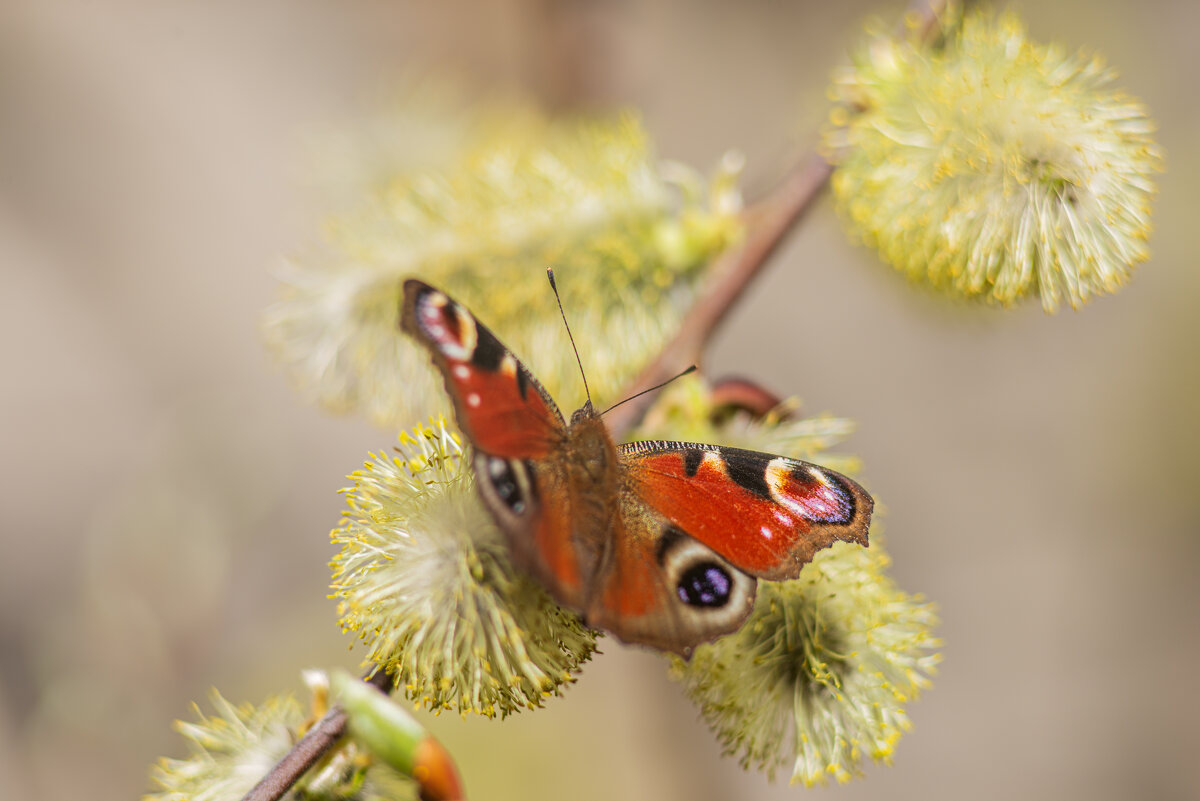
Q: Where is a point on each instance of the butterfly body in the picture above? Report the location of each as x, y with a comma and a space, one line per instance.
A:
660, 543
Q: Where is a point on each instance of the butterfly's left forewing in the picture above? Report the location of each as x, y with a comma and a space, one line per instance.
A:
501, 408
516, 429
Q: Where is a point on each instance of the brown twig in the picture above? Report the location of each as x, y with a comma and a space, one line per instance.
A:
308, 749
769, 222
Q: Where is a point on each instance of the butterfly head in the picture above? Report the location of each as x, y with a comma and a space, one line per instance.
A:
584, 412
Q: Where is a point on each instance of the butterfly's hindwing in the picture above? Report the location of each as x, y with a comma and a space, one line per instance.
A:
539, 533
507, 485
663, 588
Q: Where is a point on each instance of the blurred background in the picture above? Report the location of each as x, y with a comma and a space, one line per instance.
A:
166, 500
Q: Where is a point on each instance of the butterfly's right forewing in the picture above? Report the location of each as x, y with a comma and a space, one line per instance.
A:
767, 515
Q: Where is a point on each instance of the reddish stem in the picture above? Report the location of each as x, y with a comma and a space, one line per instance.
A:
745, 395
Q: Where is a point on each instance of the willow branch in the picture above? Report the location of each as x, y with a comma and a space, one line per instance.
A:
308, 749
769, 223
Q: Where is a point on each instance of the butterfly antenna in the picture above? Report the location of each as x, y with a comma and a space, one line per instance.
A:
691, 369
557, 299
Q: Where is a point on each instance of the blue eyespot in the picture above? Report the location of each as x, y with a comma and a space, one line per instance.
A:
705, 584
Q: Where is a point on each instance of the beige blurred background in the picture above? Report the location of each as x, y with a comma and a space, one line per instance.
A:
166, 499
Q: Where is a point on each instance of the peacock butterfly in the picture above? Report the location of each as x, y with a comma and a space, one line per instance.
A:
660, 543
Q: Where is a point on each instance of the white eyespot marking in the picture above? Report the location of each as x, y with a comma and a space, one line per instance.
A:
766, 532
449, 326
776, 475
712, 594
473, 400
462, 372
712, 461
508, 366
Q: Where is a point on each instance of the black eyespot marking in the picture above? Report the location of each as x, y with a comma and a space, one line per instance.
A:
503, 477
705, 584
691, 461
670, 537
488, 350
747, 472
522, 382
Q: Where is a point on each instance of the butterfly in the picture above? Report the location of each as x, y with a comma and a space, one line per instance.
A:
660, 543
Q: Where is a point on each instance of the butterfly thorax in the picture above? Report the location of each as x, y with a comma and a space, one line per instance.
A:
593, 478
593, 473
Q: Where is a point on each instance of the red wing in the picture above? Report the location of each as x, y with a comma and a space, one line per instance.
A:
659, 587
501, 408
766, 515
532, 503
